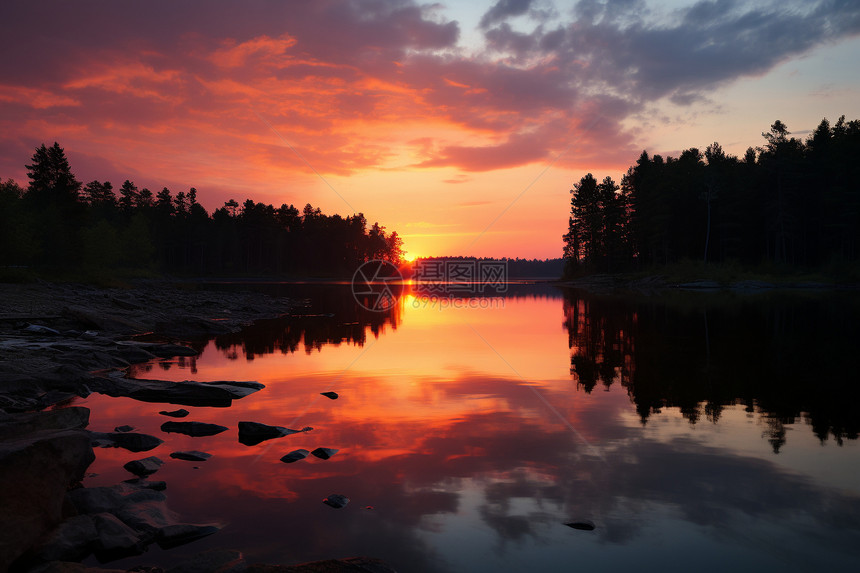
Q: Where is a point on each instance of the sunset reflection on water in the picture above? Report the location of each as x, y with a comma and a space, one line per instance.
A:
466, 441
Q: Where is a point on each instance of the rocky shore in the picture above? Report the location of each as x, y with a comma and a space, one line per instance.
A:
59, 341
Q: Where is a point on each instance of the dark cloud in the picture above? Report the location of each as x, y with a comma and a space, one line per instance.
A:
504, 9
105, 76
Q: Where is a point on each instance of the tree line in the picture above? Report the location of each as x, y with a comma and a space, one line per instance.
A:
790, 202
57, 222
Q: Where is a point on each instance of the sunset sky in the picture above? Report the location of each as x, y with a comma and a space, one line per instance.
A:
460, 125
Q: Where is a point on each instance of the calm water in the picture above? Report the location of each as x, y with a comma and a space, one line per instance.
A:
697, 432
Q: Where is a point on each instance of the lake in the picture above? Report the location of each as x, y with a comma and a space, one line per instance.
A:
695, 431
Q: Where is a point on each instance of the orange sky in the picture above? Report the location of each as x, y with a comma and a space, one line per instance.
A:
461, 128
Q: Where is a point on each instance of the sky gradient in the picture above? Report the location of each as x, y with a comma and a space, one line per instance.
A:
461, 127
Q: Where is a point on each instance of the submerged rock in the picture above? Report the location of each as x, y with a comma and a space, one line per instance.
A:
125, 428
145, 466
295, 456
331, 395
336, 501
130, 441
180, 413
252, 433
324, 453
188, 393
194, 429
191, 456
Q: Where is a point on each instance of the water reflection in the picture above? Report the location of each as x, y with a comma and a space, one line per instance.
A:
455, 444
789, 357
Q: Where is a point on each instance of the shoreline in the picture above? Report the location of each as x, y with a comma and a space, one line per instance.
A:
62, 340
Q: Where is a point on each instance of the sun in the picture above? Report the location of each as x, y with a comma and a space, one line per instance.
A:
409, 257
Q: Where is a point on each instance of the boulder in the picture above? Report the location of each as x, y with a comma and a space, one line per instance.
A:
24, 424
97, 499
125, 428
194, 429
146, 517
35, 472
330, 395
72, 540
252, 433
115, 538
144, 467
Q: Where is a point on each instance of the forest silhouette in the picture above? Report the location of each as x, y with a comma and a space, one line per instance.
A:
786, 204
58, 224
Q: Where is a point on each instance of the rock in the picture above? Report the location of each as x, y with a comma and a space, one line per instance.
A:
215, 561
24, 424
324, 453
176, 535
171, 350
102, 320
191, 456
126, 304
97, 499
180, 413
295, 456
146, 516
146, 484
252, 433
130, 441
134, 354
115, 538
336, 501
187, 393
144, 467
156, 350
35, 472
39, 329
123, 429
331, 395
194, 429
72, 540
581, 525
